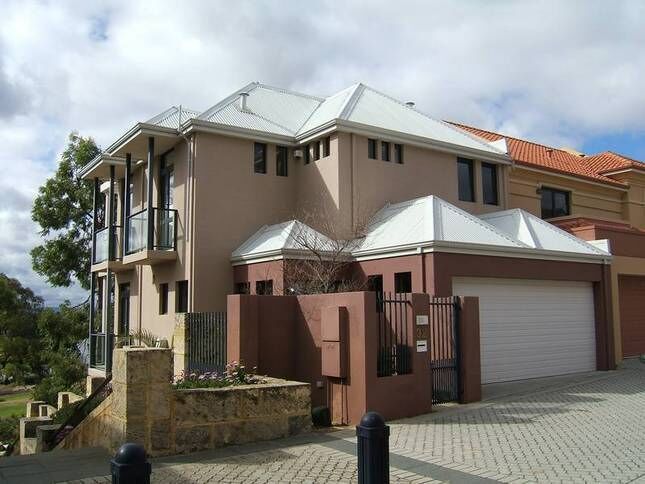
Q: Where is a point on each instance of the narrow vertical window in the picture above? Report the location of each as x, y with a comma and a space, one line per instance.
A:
371, 149
398, 153
181, 297
281, 161
489, 184
326, 146
163, 298
465, 180
260, 158
385, 151
316, 146
307, 154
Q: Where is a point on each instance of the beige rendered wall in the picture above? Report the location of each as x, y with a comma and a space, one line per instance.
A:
634, 199
423, 172
587, 199
231, 203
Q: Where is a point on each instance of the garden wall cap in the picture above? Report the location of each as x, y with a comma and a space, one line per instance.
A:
372, 420
130, 453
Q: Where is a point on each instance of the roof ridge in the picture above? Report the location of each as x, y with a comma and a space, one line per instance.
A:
289, 91
350, 103
226, 101
165, 114
557, 229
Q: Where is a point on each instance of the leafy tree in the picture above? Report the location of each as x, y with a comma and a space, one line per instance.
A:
63, 209
20, 348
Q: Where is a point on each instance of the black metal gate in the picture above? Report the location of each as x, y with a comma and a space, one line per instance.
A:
206, 341
394, 356
444, 348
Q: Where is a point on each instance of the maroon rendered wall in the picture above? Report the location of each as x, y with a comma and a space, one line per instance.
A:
261, 271
281, 335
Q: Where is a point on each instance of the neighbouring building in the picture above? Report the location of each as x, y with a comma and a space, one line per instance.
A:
178, 199
594, 197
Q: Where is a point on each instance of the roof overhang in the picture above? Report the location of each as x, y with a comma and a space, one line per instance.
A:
99, 167
278, 254
196, 125
135, 140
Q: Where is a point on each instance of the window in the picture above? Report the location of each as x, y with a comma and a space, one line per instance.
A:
281, 161
375, 284
465, 177
489, 184
385, 151
264, 288
307, 154
242, 288
398, 153
181, 297
555, 203
326, 145
371, 148
316, 146
403, 282
163, 298
260, 158
124, 309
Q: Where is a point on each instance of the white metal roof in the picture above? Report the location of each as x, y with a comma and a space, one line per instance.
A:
425, 220
275, 239
170, 118
536, 233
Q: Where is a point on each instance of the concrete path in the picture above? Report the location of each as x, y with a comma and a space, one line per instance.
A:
583, 428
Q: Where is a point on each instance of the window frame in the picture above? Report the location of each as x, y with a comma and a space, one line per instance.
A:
326, 142
397, 282
385, 151
260, 162
372, 148
552, 192
281, 150
307, 154
398, 153
268, 285
495, 184
471, 182
181, 296
316, 149
239, 285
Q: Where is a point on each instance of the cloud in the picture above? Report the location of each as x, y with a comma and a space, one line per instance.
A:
558, 72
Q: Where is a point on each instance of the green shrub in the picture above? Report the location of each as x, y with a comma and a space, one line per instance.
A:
235, 374
9, 429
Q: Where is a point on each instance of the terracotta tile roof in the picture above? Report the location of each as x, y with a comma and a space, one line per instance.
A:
544, 157
610, 161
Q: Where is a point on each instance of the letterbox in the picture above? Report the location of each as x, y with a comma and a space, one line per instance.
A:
334, 341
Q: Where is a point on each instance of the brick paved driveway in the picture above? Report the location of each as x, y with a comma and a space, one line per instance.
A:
584, 429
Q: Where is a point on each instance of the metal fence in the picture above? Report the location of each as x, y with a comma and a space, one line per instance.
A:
444, 348
206, 341
394, 342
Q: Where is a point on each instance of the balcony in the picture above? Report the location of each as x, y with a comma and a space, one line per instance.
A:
102, 258
162, 245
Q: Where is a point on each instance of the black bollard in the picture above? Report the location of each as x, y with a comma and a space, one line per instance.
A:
130, 465
373, 450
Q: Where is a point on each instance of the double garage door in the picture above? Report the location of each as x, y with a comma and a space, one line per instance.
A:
531, 329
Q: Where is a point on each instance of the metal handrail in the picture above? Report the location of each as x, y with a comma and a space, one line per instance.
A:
77, 412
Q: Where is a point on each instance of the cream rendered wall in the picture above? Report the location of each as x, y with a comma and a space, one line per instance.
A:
423, 172
231, 203
587, 199
634, 200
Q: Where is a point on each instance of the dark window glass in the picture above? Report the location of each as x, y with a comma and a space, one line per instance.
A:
181, 297
242, 288
264, 288
398, 153
375, 284
316, 147
466, 181
489, 184
326, 146
124, 309
371, 148
555, 203
163, 298
260, 158
281, 161
403, 282
307, 154
385, 151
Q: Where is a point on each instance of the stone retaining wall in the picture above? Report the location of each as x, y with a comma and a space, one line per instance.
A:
145, 408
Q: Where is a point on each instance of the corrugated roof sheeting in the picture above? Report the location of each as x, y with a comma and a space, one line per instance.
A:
232, 115
328, 110
170, 117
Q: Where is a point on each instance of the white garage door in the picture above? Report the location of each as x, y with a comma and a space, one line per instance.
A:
532, 329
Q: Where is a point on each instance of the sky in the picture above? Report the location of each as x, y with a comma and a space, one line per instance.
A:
560, 73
